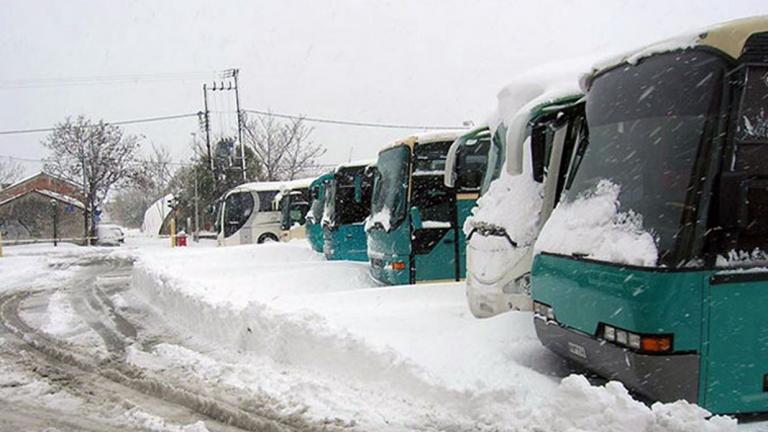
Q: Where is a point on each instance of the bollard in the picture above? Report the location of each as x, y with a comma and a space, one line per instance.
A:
172, 230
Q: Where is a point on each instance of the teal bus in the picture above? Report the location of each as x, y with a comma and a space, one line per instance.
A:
653, 269
314, 222
347, 204
414, 231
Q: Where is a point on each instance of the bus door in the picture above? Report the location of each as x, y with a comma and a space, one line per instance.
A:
431, 213
471, 162
735, 356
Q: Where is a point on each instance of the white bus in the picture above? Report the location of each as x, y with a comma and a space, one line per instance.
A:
293, 204
246, 214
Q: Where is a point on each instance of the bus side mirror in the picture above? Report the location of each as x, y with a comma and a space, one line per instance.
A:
415, 214
732, 210
358, 189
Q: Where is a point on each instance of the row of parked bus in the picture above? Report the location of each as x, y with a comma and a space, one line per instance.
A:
625, 206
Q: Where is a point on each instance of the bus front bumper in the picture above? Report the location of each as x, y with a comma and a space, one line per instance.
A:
660, 377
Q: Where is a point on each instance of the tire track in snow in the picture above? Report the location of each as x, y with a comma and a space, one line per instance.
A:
60, 354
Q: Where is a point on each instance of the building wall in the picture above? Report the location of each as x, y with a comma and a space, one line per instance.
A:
31, 217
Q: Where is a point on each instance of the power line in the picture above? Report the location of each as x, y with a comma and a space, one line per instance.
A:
104, 79
139, 162
349, 122
257, 112
120, 122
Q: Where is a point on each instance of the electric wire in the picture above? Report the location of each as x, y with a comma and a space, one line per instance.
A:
350, 122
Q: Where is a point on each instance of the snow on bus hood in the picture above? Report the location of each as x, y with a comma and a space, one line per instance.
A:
592, 226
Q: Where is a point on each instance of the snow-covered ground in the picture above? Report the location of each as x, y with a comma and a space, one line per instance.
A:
320, 337
278, 325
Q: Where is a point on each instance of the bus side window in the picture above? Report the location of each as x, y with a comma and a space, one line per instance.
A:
265, 200
472, 161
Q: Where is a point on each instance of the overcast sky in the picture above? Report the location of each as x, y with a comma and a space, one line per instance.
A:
399, 61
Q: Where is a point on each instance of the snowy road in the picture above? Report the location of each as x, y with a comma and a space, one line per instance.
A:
275, 338
64, 364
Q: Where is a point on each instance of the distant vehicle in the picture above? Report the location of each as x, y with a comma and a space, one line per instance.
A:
414, 228
293, 204
109, 235
347, 205
498, 259
246, 216
652, 270
314, 222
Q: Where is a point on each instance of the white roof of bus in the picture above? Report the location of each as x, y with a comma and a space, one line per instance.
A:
728, 37
357, 163
302, 183
428, 137
257, 187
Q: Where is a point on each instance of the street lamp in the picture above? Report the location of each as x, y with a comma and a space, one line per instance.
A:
54, 209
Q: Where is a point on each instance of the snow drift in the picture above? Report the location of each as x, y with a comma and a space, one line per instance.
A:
317, 333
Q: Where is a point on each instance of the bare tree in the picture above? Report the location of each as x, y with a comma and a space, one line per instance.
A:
95, 154
156, 172
10, 171
283, 149
151, 182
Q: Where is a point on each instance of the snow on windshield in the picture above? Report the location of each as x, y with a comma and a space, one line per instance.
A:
592, 226
381, 217
512, 203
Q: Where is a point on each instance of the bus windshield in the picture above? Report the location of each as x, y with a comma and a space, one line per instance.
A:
237, 210
318, 203
329, 210
647, 124
285, 211
391, 184
495, 163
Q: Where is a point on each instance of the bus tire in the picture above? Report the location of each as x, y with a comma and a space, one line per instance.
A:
267, 237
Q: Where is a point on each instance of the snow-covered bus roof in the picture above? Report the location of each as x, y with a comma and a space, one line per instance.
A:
256, 187
426, 137
302, 183
291, 185
357, 163
728, 37
522, 99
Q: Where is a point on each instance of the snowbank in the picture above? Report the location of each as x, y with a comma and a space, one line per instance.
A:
319, 334
592, 226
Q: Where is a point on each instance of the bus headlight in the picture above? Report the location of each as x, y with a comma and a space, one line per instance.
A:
635, 341
542, 311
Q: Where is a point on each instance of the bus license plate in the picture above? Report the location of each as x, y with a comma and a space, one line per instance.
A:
577, 350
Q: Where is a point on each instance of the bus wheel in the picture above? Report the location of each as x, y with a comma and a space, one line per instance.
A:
267, 237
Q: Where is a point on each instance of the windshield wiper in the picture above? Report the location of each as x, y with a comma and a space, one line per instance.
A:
490, 230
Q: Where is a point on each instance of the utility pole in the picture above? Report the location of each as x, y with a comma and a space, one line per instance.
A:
86, 239
207, 125
196, 236
55, 210
235, 73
